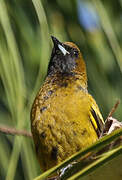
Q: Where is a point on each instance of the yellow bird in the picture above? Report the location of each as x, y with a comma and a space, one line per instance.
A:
64, 117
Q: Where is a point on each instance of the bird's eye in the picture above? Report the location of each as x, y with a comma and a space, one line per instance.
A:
58, 52
76, 53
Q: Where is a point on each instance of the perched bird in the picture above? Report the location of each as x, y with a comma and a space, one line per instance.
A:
64, 117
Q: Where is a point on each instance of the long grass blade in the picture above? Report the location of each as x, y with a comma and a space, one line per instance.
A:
105, 158
92, 149
110, 34
44, 44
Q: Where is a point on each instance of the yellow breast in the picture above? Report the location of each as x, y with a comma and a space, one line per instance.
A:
63, 122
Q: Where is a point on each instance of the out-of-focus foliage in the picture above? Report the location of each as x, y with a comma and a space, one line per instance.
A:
25, 47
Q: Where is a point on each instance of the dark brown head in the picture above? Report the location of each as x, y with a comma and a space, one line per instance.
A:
66, 59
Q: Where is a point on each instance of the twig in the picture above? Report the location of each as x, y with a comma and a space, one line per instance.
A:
111, 123
13, 131
113, 109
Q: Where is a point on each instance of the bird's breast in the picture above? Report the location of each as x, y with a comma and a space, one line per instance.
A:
60, 122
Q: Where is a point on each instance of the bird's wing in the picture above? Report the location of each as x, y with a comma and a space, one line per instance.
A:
96, 119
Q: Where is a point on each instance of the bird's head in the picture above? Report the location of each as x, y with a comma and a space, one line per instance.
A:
66, 59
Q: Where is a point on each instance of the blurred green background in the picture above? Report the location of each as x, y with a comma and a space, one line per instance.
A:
25, 47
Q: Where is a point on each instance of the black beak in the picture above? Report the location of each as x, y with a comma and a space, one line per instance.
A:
56, 42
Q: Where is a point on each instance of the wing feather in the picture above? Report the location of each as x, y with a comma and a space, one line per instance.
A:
96, 120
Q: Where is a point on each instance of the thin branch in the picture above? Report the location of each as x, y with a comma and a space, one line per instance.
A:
13, 131
113, 109
111, 123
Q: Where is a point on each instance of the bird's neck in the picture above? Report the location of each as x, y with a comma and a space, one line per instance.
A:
64, 79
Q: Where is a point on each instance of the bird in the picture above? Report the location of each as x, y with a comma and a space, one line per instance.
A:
64, 116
